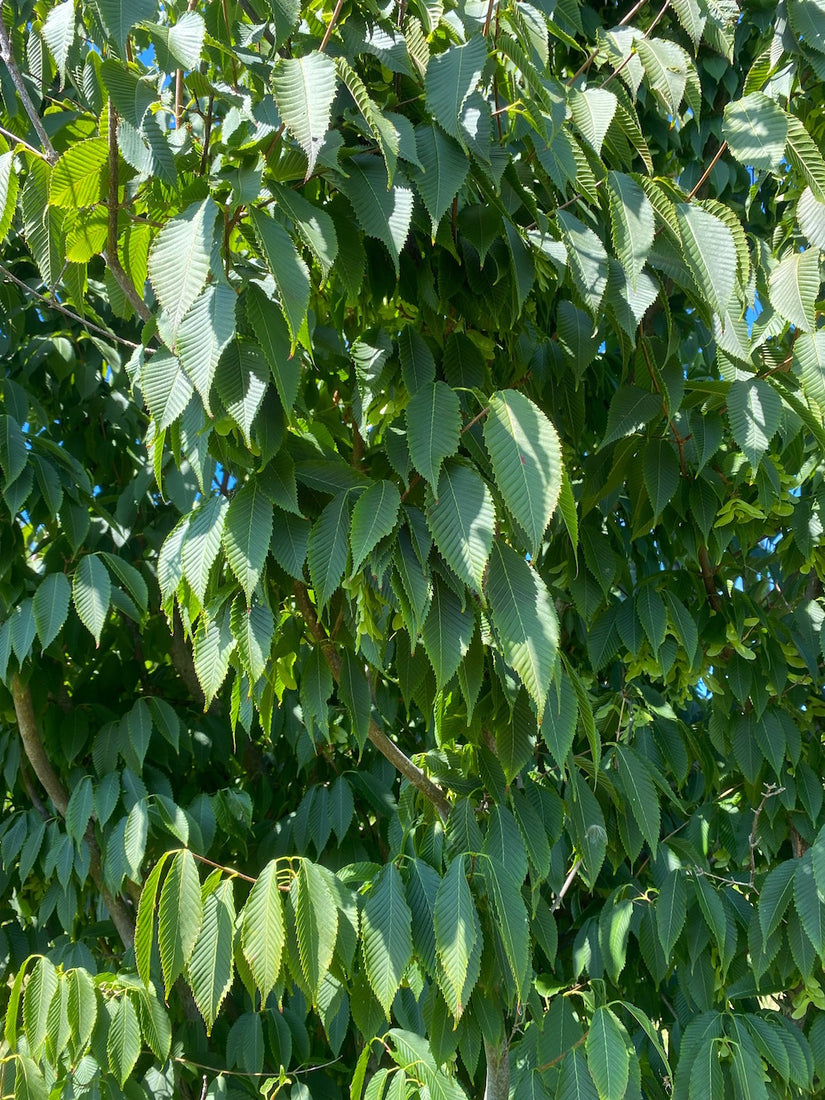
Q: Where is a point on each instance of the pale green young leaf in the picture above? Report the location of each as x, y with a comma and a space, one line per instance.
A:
327, 548
123, 1040
607, 1054
794, 288
386, 935
92, 592
524, 618
756, 129
447, 632
632, 220
203, 334
383, 214
179, 916
202, 543
316, 923
179, 259
810, 213
51, 606
166, 388
288, 268
209, 968
246, 535
710, 252
433, 424
526, 456
304, 90
462, 518
373, 518
444, 168
263, 931
513, 926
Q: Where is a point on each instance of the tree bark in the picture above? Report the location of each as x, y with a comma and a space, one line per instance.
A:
497, 1086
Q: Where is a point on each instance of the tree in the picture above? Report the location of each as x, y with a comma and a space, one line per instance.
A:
412, 442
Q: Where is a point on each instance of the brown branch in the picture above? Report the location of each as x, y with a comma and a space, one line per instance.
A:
714, 598
769, 791
19, 141
336, 12
7, 55
51, 783
708, 170
568, 882
178, 97
489, 18
111, 256
400, 761
207, 134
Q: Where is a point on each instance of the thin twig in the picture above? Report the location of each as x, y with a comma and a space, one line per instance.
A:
19, 141
7, 55
385, 746
220, 867
489, 18
708, 170
592, 57
769, 791
336, 12
568, 882
207, 132
58, 307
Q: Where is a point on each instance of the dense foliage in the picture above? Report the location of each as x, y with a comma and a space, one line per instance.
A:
412, 447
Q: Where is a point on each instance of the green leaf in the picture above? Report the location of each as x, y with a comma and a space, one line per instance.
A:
263, 932
247, 531
810, 213
558, 724
328, 547
214, 644
385, 134
203, 334
202, 543
79, 809
710, 252
384, 213
9, 186
588, 825
80, 177
457, 929
607, 1054
451, 77
756, 129
51, 606
13, 450
804, 154
794, 288
59, 34
754, 410
268, 324
253, 628
386, 935
373, 518
447, 632
512, 922
135, 836
290, 538
652, 615
145, 923
165, 387
287, 266
637, 780
119, 16
587, 258
671, 910
525, 620
82, 1006
92, 592
631, 216
462, 518
433, 424
179, 259
123, 1041
40, 990
304, 90
417, 363
313, 224
444, 168
316, 922
593, 110
630, 410
809, 903
241, 381
526, 456
575, 1082
210, 968
29, 1083
661, 473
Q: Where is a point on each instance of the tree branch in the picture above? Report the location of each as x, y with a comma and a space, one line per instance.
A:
111, 256
7, 55
400, 761
50, 781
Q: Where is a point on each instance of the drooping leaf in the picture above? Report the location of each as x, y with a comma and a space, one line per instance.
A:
247, 530
607, 1054
179, 259
587, 257
241, 381
119, 16
328, 548
209, 969
214, 643
287, 266
794, 289
263, 931
166, 387
203, 334
373, 518
92, 593
671, 910
123, 1041
51, 606
304, 90
447, 632
641, 792
202, 543
462, 518
383, 214
443, 170
754, 409
457, 928
632, 220
710, 252
451, 77
386, 935
316, 921
433, 421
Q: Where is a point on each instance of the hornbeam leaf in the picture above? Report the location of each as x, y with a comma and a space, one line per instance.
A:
179, 259
80, 176
433, 426
385, 134
166, 387
524, 618
754, 410
444, 168
386, 937
123, 1040
316, 923
51, 606
241, 381
92, 593
82, 1006
804, 154
587, 257
512, 922
327, 548
462, 519
262, 932
9, 186
775, 895
119, 16
671, 910
40, 990
810, 213
59, 33
304, 90
710, 252
417, 363
247, 531
630, 409
252, 628
457, 928
214, 644
210, 968
202, 543
794, 288
13, 449
631, 215
373, 518
756, 129
593, 111
640, 789
383, 214
268, 324
526, 456
287, 266
447, 632
607, 1054
203, 334
451, 77
809, 904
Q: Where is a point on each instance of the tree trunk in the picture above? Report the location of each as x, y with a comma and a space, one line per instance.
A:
498, 1071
